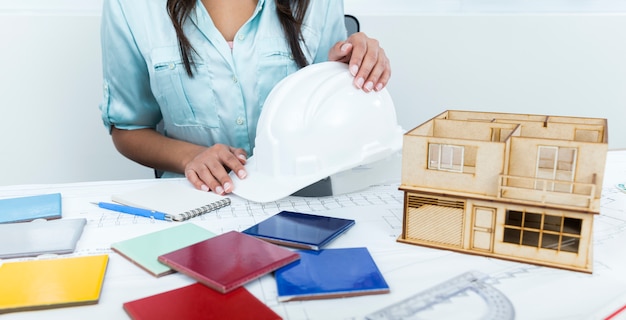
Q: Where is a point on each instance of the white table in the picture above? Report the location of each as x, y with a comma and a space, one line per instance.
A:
535, 292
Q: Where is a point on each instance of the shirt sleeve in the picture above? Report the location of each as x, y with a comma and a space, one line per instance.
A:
128, 102
334, 29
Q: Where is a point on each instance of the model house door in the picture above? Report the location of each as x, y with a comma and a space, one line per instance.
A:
483, 228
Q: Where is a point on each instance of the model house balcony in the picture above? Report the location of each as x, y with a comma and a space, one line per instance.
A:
549, 192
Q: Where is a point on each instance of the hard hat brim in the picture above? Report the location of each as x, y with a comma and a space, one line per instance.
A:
260, 187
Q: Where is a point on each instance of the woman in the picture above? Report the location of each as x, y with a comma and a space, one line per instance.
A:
203, 70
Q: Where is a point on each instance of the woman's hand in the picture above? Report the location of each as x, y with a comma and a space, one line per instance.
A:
209, 169
206, 168
367, 61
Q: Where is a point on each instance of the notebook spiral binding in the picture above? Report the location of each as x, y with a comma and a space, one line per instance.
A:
202, 210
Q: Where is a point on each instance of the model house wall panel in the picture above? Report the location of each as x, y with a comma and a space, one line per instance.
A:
522, 158
414, 160
425, 129
590, 157
488, 165
480, 131
592, 160
579, 120
460, 130
543, 256
494, 116
560, 131
580, 191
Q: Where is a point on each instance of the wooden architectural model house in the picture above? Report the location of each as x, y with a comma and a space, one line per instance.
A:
513, 186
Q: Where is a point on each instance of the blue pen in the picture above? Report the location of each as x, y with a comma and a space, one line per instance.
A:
134, 211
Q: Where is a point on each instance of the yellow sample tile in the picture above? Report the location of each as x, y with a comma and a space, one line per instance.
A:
51, 283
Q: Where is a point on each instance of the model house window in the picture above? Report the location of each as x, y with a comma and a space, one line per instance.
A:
555, 164
445, 157
542, 231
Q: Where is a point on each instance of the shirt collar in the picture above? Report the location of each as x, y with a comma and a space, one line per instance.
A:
201, 19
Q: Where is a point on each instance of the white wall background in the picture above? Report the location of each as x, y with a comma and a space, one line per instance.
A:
50, 87
548, 57
524, 56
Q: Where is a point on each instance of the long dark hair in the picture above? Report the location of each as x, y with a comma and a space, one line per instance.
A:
290, 14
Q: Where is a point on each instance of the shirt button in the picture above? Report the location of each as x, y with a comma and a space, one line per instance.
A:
235, 79
171, 65
241, 37
240, 121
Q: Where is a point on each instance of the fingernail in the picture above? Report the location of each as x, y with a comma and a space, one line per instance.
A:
219, 190
227, 187
369, 86
242, 174
344, 47
204, 187
354, 69
359, 82
241, 156
379, 87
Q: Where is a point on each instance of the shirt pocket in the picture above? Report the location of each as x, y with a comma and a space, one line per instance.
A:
276, 60
275, 63
184, 100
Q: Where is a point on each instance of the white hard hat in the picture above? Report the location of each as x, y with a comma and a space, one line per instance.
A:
314, 124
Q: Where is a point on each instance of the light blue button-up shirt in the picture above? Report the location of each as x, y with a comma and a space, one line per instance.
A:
145, 81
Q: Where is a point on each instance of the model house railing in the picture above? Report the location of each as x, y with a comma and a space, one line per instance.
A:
546, 191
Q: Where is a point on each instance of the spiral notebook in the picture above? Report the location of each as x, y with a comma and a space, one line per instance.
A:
178, 199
